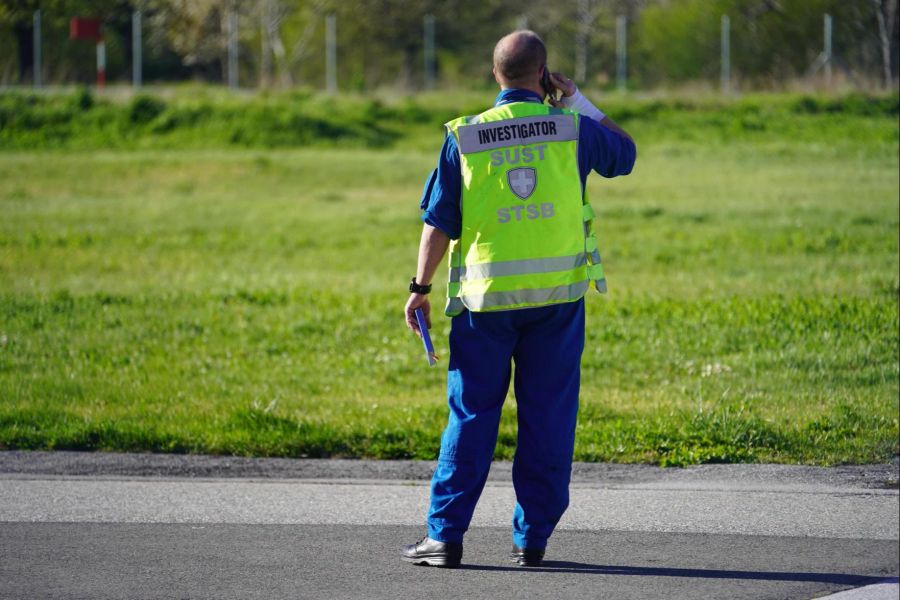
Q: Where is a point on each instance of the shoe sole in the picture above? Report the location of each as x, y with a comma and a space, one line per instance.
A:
525, 563
433, 561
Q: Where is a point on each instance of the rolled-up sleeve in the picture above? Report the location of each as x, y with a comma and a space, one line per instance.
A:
602, 150
441, 196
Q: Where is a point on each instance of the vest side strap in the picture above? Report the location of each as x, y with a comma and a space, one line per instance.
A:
587, 212
454, 307
595, 272
456, 257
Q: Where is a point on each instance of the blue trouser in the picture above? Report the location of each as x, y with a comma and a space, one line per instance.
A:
546, 345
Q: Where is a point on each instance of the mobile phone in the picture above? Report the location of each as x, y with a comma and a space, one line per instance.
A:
549, 88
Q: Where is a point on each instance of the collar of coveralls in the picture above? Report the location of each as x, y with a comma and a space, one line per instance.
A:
516, 95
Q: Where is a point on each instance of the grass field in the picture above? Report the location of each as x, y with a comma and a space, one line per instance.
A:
246, 297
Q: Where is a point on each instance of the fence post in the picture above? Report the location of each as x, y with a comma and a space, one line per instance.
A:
621, 52
36, 40
232, 48
331, 53
827, 50
265, 62
582, 36
137, 60
429, 51
101, 63
726, 54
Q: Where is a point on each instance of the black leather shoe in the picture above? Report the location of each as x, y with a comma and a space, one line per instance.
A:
525, 557
431, 552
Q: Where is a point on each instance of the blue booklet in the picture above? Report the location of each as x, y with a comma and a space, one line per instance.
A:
426, 338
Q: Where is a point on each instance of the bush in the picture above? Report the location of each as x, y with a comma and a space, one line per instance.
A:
144, 108
298, 119
82, 100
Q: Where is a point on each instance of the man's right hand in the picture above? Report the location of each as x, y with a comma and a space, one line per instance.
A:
417, 301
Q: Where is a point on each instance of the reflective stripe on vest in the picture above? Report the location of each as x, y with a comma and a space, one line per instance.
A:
517, 267
523, 298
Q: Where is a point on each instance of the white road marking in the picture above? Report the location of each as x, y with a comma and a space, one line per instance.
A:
889, 590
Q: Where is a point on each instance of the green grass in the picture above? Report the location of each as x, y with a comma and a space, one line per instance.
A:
203, 118
247, 297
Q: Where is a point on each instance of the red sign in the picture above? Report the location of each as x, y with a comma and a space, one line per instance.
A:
84, 29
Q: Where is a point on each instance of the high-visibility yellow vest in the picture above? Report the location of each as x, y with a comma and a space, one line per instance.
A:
527, 229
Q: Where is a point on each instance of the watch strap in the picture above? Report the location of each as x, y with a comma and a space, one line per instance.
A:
418, 289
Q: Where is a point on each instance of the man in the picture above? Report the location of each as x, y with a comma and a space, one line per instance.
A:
509, 192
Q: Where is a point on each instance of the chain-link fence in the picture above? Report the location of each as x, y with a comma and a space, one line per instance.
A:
413, 45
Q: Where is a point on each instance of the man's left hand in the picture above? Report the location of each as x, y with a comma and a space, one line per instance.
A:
564, 85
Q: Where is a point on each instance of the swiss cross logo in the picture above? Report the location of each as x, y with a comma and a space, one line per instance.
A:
522, 181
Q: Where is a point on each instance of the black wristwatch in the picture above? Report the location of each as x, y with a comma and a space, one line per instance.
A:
418, 289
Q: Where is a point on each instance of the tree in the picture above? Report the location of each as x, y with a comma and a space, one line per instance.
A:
18, 15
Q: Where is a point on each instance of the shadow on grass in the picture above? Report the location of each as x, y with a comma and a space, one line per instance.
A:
588, 569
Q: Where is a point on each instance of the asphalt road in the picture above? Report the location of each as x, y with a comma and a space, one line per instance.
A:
138, 526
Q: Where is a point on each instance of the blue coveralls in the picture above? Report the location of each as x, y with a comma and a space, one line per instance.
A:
546, 345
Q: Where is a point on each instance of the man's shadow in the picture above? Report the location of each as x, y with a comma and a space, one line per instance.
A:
550, 566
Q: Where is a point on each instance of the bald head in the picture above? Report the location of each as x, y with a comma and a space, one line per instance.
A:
519, 58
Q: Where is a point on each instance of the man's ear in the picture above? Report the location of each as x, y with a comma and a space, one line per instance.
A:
494, 72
